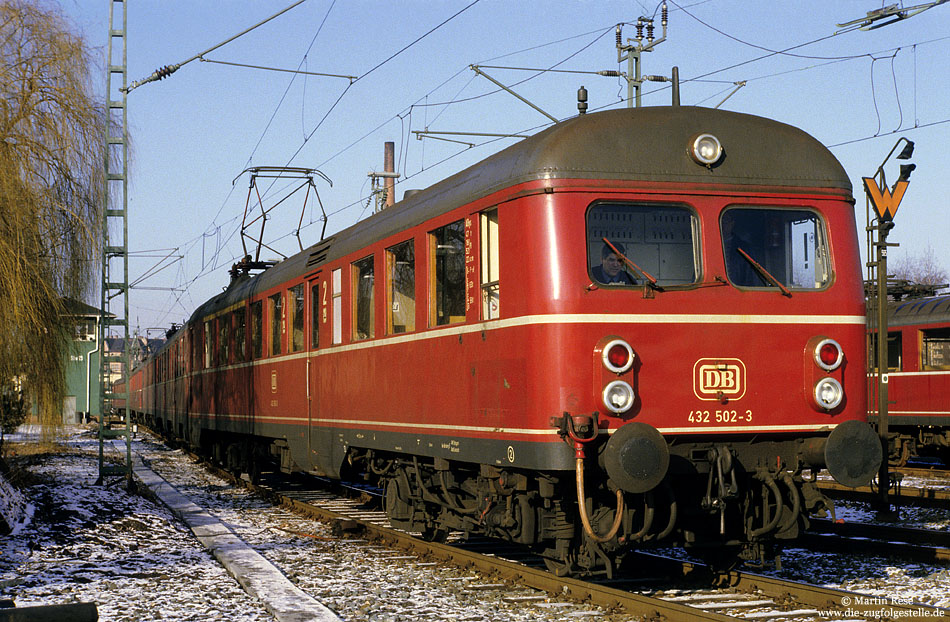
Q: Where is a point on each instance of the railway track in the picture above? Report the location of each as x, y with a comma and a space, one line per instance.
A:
673, 589
899, 494
919, 545
700, 594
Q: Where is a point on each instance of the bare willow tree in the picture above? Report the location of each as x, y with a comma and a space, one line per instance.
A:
922, 268
52, 154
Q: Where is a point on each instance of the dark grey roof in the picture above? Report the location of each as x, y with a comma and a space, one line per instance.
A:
75, 308
930, 310
629, 144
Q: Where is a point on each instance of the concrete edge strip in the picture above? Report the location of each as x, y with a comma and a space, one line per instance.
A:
259, 577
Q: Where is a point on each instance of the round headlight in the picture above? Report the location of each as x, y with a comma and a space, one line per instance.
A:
828, 354
618, 356
706, 149
828, 393
618, 396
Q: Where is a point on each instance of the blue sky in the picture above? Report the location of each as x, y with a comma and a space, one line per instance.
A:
195, 132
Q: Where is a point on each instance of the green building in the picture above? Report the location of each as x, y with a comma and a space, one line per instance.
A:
82, 370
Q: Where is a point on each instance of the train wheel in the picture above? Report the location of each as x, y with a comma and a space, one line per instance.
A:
720, 558
433, 533
903, 454
559, 560
397, 502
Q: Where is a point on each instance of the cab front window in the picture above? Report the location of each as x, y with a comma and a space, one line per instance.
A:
788, 245
631, 244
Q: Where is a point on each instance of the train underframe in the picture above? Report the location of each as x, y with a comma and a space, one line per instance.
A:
911, 441
721, 500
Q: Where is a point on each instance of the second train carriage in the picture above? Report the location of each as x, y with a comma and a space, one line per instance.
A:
636, 325
918, 378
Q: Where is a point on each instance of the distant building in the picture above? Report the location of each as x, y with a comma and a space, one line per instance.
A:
82, 368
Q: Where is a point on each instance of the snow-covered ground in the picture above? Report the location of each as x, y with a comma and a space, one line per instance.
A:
79, 541
83, 542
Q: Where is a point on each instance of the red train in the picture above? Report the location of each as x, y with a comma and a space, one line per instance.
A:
919, 378
638, 325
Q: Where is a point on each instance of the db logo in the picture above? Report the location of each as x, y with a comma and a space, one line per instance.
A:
714, 379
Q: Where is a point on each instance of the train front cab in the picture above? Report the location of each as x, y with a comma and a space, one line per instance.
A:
729, 366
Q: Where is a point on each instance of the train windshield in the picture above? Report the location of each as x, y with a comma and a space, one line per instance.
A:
764, 245
629, 244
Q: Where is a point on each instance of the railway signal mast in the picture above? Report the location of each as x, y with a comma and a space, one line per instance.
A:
885, 202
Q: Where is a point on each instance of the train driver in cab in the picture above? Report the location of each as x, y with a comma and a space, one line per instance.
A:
610, 271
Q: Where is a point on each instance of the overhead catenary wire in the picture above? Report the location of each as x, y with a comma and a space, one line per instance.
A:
408, 114
167, 70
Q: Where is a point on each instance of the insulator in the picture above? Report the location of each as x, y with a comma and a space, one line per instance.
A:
650, 31
664, 15
619, 38
609, 73
639, 30
165, 71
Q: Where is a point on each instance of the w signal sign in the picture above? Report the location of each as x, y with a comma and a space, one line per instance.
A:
885, 201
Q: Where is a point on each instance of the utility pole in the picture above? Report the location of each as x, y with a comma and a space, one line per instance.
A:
631, 53
385, 196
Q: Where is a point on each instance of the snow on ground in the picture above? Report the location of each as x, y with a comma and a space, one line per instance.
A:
89, 543
131, 556
86, 542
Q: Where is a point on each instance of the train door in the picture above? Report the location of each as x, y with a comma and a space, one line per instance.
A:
319, 297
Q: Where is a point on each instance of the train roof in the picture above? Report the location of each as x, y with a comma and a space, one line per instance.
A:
628, 144
929, 310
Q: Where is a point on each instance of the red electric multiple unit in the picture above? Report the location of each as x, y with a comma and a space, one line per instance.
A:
638, 325
918, 378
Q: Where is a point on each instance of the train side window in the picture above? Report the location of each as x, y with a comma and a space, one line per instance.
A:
626, 242
363, 280
208, 339
789, 244
257, 329
401, 288
192, 331
489, 278
895, 360
275, 310
337, 306
295, 308
315, 314
239, 321
223, 336
447, 270
935, 349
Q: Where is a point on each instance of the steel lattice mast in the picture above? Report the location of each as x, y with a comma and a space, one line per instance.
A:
115, 246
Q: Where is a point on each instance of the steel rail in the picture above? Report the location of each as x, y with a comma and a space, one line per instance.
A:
816, 596
900, 495
784, 593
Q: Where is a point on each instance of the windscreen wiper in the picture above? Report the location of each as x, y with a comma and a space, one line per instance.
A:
643, 273
765, 273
